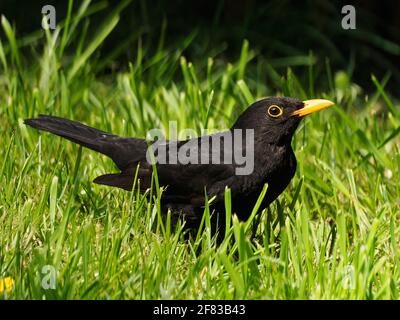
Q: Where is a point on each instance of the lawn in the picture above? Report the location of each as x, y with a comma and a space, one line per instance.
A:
333, 234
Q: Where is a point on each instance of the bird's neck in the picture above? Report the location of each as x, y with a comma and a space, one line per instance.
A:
271, 155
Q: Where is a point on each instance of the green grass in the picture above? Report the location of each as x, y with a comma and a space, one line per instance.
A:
333, 234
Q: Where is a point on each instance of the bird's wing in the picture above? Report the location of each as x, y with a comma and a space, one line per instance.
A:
190, 182
185, 181
182, 168
192, 175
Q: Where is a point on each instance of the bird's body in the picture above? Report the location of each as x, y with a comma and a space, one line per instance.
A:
271, 122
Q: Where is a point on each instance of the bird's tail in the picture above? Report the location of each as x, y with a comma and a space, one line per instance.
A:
125, 152
77, 132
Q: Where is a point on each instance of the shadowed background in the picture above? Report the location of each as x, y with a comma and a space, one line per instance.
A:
283, 33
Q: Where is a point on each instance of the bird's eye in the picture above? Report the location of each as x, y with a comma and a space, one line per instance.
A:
274, 111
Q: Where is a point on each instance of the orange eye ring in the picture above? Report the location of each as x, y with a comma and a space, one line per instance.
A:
275, 111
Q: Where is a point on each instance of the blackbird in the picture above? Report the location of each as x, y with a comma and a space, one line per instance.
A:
201, 168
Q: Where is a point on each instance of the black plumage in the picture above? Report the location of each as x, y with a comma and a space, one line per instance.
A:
273, 122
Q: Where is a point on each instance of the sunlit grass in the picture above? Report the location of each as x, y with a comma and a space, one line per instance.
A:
333, 234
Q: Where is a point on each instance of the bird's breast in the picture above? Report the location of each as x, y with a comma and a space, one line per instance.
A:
277, 168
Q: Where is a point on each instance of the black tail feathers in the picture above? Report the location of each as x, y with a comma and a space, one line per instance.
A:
74, 131
123, 151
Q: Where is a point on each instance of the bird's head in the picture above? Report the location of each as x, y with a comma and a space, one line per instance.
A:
275, 119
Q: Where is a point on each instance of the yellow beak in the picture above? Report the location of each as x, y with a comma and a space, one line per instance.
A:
313, 105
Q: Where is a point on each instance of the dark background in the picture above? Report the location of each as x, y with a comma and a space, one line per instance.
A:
275, 29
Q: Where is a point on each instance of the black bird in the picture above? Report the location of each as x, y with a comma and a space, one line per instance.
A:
183, 168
